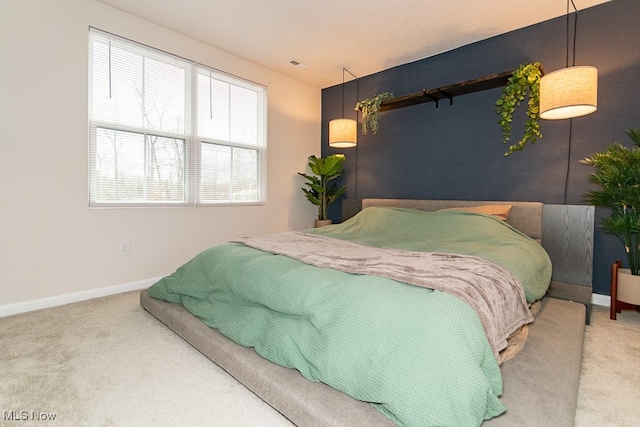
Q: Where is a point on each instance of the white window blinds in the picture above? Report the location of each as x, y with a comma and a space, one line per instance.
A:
151, 144
231, 131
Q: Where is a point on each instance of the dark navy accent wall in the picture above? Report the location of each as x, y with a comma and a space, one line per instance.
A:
455, 151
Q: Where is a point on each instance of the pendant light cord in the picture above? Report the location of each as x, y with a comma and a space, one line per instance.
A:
575, 30
343, 70
573, 63
355, 192
566, 178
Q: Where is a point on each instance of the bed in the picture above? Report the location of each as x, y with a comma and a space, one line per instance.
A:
388, 361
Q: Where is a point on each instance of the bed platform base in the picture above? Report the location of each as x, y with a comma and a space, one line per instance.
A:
540, 383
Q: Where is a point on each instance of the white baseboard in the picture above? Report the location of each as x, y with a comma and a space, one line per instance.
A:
39, 304
599, 299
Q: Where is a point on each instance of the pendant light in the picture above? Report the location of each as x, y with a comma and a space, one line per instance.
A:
343, 133
571, 91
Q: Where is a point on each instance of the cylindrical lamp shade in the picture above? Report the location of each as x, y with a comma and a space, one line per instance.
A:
569, 92
343, 133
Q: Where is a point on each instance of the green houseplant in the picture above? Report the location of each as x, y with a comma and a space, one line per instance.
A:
523, 83
370, 109
320, 193
617, 173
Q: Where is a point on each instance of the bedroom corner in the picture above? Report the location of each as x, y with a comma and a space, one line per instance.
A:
53, 244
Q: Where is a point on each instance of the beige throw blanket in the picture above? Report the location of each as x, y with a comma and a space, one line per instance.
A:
493, 292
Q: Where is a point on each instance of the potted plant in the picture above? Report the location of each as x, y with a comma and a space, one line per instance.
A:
523, 83
370, 109
320, 193
617, 172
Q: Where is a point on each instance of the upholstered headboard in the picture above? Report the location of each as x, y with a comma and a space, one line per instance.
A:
524, 216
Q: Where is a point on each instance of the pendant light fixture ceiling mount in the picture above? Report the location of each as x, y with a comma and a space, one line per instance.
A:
343, 133
571, 91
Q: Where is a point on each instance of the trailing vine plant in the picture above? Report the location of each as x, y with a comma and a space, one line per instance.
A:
370, 108
525, 81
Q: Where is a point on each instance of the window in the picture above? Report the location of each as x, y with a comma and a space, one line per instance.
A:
167, 131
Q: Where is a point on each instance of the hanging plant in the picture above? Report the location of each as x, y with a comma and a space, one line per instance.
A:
370, 108
525, 81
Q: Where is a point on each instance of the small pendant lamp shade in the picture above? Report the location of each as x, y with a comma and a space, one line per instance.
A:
569, 92
343, 133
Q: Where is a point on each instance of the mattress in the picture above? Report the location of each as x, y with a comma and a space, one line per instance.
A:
525, 369
540, 384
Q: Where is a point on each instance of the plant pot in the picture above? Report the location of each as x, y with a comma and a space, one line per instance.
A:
628, 287
625, 290
322, 222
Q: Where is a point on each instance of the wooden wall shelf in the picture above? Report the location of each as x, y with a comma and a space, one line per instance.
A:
448, 92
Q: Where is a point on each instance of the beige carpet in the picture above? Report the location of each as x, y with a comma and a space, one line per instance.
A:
609, 393
106, 362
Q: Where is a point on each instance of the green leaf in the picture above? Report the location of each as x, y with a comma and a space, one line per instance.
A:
524, 82
370, 109
325, 170
617, 173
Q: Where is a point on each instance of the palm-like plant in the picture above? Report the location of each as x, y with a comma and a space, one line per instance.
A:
618, 175
319, 192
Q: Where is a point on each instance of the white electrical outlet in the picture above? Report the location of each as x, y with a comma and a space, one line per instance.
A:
125, 247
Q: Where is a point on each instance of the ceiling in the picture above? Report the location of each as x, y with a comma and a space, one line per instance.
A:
364, 36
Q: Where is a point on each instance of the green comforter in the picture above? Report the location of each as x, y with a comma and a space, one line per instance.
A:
420, 356
451, 231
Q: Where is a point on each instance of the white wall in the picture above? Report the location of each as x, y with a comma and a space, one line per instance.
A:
51, 243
